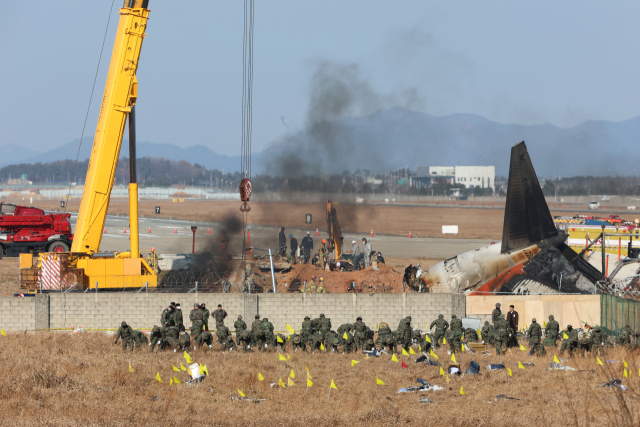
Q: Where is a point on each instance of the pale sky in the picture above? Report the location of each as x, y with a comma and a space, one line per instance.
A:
509, 61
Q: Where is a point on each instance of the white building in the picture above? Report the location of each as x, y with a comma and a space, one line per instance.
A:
469, 176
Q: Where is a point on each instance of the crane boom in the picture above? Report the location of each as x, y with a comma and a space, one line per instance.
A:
119, 98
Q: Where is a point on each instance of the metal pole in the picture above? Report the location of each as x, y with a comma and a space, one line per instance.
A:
196, 287
273, 276
96, 287
146, 287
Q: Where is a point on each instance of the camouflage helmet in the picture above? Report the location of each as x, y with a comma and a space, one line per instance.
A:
596, 328
569, 327
502, 316
321, 314
123, 324
486, 322
408, 317
359, 318
440, 316
369, 341
156, 328
239, 316
497, 304
551, 317
533, 320
265, 320
296, 339
453, 316
307, 318
257, 316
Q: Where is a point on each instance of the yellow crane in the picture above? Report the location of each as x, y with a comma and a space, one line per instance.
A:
117, 269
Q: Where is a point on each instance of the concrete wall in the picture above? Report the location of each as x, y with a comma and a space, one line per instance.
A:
107, 310
567, 309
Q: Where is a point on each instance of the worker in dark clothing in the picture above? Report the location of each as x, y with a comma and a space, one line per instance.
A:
512, 320
282, 241
380, 258
293, 245
307, 245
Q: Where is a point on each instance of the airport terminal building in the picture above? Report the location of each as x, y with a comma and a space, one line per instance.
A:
469, 176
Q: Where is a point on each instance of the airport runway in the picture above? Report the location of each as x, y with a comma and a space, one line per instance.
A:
175, 236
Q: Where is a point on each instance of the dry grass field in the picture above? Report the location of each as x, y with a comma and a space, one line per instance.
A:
60, 379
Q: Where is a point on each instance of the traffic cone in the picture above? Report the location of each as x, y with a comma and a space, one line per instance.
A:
317, 233
149, 230
409, 234
371, 233
208, 230
105, 230
175, 230
124, 230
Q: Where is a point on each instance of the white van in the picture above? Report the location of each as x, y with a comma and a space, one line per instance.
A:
594, 205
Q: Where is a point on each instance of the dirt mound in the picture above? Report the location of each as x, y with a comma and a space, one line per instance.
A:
384, 280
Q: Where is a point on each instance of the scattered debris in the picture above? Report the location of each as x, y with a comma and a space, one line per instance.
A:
424, 358
424, 399
495, 366
473, 368
80, 330
613, 384
558, 367
454, 369
424, 387
502, 397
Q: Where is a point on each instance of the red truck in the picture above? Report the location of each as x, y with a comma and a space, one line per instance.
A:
29, 230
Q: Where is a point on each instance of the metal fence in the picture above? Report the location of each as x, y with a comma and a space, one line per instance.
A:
616, 312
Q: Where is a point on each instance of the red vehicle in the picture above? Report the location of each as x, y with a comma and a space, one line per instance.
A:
29, 230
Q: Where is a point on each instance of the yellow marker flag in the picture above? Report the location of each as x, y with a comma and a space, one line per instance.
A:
522, 330
203, 328
394, 358
626, 365
599, 362
2, 332
292, 374
333, 385
639, 372
478, 331
411, 350
376, 326
158, 377
404, 352
525, 325
306, 367
281, 383
241, 393
419, 348
174, 368
522, 348
353, 362
462, 347
131, 368
544, 324
626, 375
288, 357
453, 358
290, 382
427, 339
448, 379
309, 383
322, 346
444, 341
366, 357
462, 391
565, 336
260, 377
309, 375
379, 381
555, 359
205, 370
520, 365
281, 357
441, 371
200, 369
279, 339
170, 382
432, 354
290, 329
187, 357
345, 336
182, 367
509, 371
176, 381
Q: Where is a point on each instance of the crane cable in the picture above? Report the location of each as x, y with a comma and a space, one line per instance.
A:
247, 116
95, 78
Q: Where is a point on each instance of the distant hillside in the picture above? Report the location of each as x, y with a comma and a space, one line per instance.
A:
12, 154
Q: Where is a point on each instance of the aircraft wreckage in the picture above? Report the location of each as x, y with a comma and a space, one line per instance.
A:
532, 258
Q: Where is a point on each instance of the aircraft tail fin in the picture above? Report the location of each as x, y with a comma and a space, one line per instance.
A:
527, 219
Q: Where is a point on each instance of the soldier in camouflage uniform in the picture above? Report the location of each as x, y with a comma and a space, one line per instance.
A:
368, 345
244, 338
346, 327
167, 314
139, 338
404, 333
535, 337
386, 338
315, 339
205, 316
501, 333
230, 345
585, 343
348, 345
185, 341
296, 342
255, 330
305, 333
597, 338
219, 315
624, 337
171, 335
282, 344
332, 341
441, 326
571, 343
177, 318
126, 333
205, 338
551, 332
324, 325
635, 343
222, 332
359, 328
239, 324
471, 335
266, 336
156, 338
196, 316
495, 314
486, 333
450, 337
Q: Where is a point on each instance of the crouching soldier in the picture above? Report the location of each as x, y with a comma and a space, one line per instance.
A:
296, 341
332, 341
156, 338
185, 341
349, 345
204, 338
126, 333
223, 335
471, 335
140, 338
230, 344
171, 335
315, 340
244, 338
368, 345
281, 341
